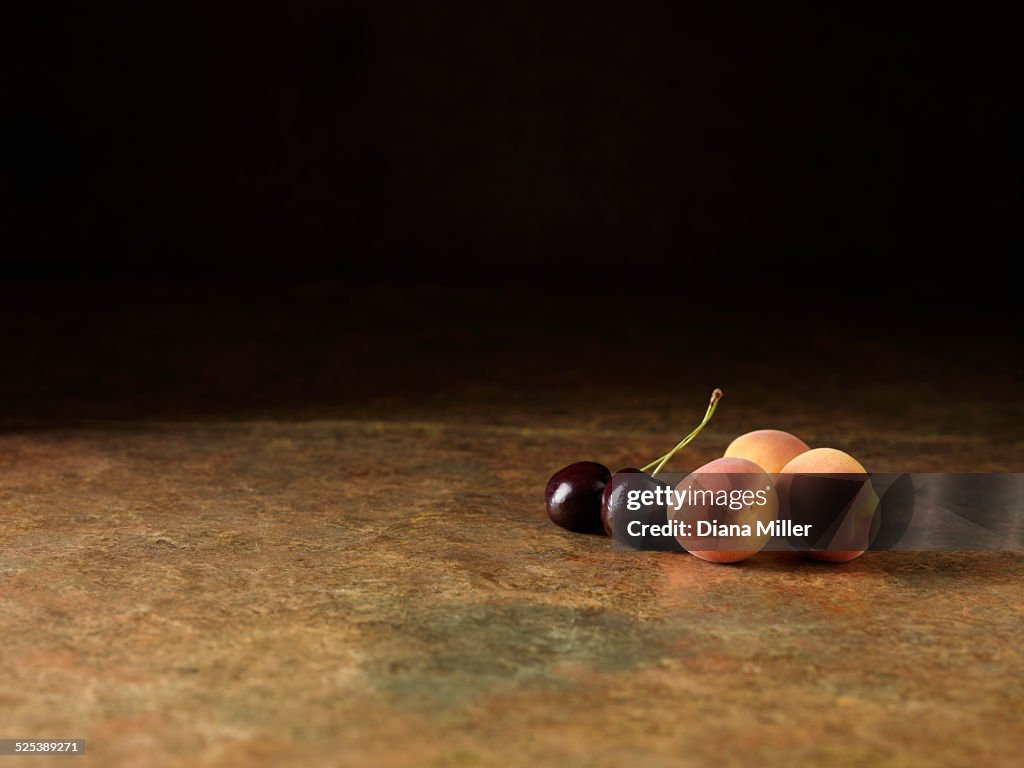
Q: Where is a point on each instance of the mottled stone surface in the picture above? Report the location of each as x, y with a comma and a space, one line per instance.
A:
368, 592
306, 528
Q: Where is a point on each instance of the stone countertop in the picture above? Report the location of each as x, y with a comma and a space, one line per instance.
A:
308, 529
374, 592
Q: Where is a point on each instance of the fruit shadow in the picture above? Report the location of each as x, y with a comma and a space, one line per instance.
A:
934, 567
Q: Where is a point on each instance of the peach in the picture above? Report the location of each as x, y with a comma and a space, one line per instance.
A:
770, 449
726, 504
830, 490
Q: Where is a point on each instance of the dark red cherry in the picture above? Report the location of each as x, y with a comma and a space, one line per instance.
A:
616, 514
606, 521
573, 496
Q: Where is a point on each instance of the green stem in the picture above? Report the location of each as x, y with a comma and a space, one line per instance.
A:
663, 460
654, 463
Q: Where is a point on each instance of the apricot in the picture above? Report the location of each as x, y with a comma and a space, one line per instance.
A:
770, 449
726, 504
831, 491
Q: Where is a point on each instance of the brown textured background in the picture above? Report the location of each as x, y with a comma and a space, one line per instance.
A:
302, 303
307, 528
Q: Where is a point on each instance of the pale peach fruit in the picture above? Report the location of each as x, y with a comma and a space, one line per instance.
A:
726, 500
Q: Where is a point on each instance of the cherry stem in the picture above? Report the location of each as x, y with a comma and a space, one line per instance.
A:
661, 461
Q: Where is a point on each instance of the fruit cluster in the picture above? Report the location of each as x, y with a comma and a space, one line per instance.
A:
585, 497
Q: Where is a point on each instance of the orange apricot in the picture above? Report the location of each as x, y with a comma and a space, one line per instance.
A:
830, 490
770, 449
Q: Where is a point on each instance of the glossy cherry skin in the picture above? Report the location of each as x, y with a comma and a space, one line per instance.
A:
616, 516
609, 514
573, 496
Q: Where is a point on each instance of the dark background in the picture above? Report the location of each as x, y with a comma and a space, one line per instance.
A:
213, 177
323, 139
